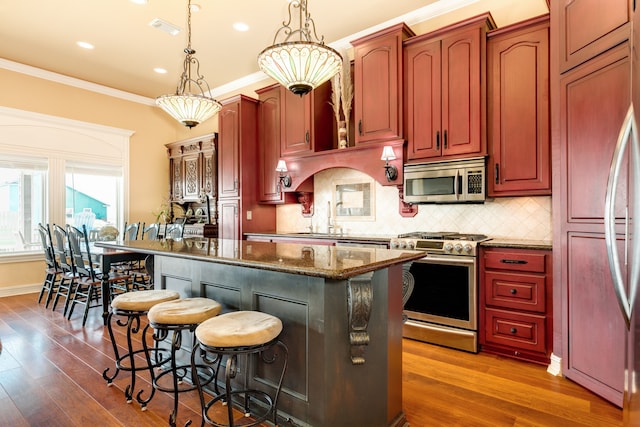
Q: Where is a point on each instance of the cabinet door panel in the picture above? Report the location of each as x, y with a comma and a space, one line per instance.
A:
594, 346
379, 77
296, 123
589, 28
191, 169
228, 150
594, 100
519, 114
229, 224
461, 85
423, 68
269, 148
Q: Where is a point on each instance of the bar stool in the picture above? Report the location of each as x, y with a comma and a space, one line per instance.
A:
130, 306
242, 333
178, 316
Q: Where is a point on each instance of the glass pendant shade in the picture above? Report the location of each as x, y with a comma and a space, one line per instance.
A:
187, 107
300, 61
190, 110
300, 66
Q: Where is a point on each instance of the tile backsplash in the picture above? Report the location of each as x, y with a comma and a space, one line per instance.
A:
505, 217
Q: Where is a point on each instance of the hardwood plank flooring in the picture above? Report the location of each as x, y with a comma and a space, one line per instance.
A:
51, 375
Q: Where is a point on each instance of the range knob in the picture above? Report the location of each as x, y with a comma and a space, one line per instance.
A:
410, 244
468, 248
448, 247
395, 245
458, 247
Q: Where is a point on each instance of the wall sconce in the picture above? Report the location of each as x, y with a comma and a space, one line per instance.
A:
390, 170
284, 180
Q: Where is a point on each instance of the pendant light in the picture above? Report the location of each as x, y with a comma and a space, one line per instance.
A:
185, 106
300, 61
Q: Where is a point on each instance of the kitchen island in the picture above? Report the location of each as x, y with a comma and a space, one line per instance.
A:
341, 308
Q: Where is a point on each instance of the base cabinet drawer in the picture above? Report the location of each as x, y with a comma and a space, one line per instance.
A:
516, 291
515, 304
515, 329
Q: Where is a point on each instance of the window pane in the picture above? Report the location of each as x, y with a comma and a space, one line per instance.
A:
22, 202
93, 196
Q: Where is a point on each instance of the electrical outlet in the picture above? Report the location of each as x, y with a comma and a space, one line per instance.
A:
249, 215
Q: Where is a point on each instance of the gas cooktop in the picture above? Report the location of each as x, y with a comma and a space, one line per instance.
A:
443, 235
440, 242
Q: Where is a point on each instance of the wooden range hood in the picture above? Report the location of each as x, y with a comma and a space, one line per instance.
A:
364, 158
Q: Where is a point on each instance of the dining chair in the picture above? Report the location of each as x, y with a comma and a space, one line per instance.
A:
174, 231
149, 232
89, 284
52, 270
67, 284
130, 231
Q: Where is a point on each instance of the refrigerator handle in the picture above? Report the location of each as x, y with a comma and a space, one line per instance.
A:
627, 132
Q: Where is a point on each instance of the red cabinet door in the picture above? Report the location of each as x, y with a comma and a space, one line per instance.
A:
461, 93
518, 103
269, 146
229, 150
422, 85
593, 344
378, 76
296, 123
589, 27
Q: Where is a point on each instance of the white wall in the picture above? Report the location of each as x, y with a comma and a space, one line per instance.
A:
510, 217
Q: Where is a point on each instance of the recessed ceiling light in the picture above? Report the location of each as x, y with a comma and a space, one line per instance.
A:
85, 45
165, 26
195, 7
139, 1
160, 70
240, 26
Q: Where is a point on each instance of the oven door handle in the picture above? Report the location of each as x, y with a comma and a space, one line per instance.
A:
452, 260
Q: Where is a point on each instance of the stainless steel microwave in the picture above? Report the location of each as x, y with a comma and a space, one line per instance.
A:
453, 181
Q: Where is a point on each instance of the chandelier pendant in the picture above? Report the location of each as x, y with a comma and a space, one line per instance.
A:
300, 61
190, 104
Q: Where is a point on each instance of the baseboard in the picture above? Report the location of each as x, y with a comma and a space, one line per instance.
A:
20, 290
555, 365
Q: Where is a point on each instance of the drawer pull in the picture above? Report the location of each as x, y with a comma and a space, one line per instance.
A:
514, 261
514, 330
513, 291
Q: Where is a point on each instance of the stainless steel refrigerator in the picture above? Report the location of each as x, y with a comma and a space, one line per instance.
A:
623, 251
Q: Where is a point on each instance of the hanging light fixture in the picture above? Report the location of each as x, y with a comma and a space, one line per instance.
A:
185, 106
300, 61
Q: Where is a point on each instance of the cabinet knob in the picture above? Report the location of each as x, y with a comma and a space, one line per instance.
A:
437, 140
497, 173
445, 138
360, 126
514, 330
513, 291
306, 137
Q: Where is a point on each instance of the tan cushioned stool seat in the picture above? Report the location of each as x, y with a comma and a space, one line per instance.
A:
186, 311
143, 300
239, 328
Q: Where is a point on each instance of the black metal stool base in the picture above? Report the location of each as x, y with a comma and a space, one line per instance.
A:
265, 406
126, 362
194, 373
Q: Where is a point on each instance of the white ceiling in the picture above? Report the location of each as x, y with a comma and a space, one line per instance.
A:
43, 34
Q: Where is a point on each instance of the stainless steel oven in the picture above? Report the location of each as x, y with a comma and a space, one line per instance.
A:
443, 306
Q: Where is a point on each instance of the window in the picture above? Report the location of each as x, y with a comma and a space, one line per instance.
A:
23, 200
57, 171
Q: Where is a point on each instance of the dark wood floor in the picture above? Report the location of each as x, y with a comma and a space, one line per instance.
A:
51, 375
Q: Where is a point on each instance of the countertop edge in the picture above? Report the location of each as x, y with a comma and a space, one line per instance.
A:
518, 244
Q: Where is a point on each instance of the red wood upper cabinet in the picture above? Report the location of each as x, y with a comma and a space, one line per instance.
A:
445, 90
269, 135
590, 27
307, 122
378, 97
518, 104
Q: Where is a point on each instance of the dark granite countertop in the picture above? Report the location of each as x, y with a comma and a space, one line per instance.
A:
327, 236
333, 262
517, 244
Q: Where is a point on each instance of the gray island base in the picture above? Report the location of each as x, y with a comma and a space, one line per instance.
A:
342, 314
